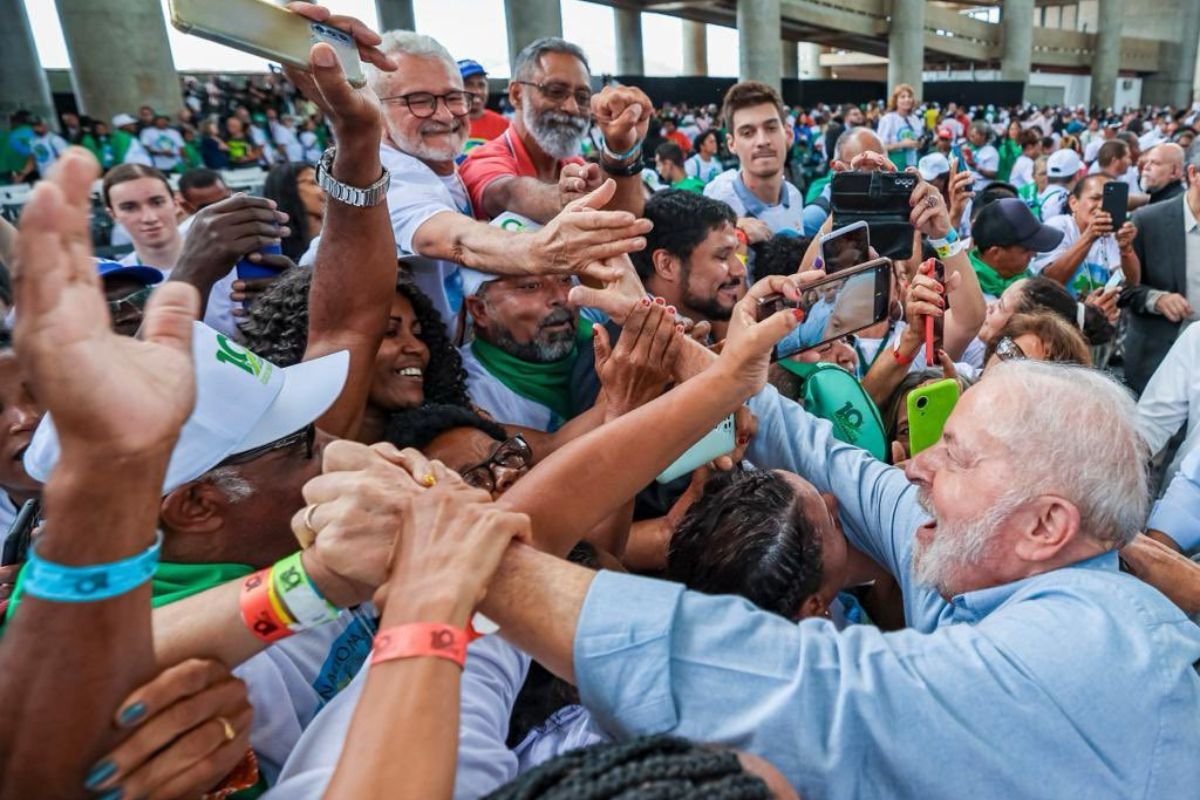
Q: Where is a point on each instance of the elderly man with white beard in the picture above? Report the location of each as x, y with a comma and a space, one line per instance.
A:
534, 168
425, 114
1026, 645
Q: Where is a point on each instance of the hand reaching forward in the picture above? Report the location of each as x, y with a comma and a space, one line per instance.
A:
637, 369
581, 239
620, 292
109, 395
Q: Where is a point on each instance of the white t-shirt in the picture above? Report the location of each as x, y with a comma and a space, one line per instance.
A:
894, 128
696, 167
1102, 258
1053, 200
163, 139
1092, 151
260, 139
416, 194
311, 147
987, 157
787, 215
502, 403
286, 138
1022, 171
46, 149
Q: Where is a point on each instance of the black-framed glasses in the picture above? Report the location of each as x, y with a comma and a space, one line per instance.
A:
558, 92
132, 303
512, 454
1008, 350
306, 436
423, 105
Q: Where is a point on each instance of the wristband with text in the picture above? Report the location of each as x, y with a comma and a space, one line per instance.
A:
60, 583
258, 612
300, 596
952, 245
421, 639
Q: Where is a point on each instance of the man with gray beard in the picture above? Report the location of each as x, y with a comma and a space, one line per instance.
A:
534, 168
527, 336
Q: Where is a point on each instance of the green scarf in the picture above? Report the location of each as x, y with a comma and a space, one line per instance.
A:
545, 383
990, 281
171, 582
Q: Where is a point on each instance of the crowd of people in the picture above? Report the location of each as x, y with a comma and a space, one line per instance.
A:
370, 486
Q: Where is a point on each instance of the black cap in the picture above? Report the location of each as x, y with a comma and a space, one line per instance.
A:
1008, 221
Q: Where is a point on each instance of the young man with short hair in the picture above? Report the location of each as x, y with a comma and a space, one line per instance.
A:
668, 163
758, 133
140, 199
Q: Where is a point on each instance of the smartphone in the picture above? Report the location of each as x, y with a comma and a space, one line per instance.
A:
1116, 202
266, 30
1115, 281
881, 199
834, 307
845, 247
934, 325
929, 407
20, 534
716, 443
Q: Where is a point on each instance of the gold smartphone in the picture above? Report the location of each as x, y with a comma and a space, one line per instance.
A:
266, 30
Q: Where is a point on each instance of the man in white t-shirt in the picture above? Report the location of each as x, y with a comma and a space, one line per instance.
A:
426, 122
1090, 250
164, 143
1092, 151
1062, 171
757, 192
45, 147
283, 131
982, 157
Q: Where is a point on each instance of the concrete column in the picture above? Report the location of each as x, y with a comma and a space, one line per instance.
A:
1018, 40
906, 44
396, 15
810, 62
529, 20
760, 51
791, 59
628, 24
1180, 32
22, 80
1106, 62
695, 48
120, 56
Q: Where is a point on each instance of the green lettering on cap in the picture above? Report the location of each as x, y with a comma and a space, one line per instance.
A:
512, 225
243, 359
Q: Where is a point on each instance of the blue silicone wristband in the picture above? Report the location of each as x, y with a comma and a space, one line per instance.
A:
628, 154
60, 583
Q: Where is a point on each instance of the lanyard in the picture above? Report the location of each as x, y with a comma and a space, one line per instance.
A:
862, 358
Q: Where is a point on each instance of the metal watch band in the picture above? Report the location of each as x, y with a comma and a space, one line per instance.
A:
372, 195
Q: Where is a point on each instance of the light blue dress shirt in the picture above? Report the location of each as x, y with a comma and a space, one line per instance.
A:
1076, 683
1177, 514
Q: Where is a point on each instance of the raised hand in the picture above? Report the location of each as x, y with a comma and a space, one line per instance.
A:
623, 115
929, 213
637, 370
582, 238
224, 232
620, 291
578, 180
109, 395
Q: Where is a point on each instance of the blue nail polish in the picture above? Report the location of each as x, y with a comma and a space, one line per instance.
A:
99, 774
114, 794
131, 714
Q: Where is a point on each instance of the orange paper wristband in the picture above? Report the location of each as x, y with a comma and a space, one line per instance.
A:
422, 639
257, 610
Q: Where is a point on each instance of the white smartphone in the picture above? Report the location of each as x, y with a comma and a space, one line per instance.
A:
717, 442
266, 30
846, 247
1115, 281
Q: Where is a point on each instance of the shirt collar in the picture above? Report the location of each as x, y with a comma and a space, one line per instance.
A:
974, 606
1189, 219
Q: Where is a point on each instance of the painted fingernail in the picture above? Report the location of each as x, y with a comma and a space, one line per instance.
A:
113, 794
99, 774
645, 302
940, 288
671, 310
132, 713
659, 301
742, 440
798, 313
679, 327
818, 263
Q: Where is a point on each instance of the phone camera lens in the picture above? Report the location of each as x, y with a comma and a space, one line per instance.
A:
922, 402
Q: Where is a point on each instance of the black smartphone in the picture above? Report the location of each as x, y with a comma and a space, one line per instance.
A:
837, 306
1116, 202
881, 199
20, 534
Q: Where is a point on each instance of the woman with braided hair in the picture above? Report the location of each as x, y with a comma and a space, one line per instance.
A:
649, 768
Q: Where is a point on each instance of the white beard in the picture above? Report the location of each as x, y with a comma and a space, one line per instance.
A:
955, 547
557, 141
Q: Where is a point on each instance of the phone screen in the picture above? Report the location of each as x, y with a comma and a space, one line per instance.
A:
845, 247
834, 308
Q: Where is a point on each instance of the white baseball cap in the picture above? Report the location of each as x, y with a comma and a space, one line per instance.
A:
121, 120
1064, 163
472, 278
933, 166
243, 402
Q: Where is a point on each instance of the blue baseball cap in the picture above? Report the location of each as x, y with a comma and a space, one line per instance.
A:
467, 68
147, 276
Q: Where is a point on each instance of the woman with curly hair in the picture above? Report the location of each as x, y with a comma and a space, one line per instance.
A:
415, 364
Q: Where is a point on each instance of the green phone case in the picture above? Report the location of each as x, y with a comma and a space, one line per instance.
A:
929, 407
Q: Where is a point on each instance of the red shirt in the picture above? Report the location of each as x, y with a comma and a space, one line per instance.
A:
502, 157
484, 129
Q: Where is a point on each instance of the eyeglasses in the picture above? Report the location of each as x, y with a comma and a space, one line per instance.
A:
1008, 350
306, 435
132, 303
423, 105
512, 454
559, 92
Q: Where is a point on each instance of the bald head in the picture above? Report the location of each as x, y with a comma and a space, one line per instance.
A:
857, 141
1162, 166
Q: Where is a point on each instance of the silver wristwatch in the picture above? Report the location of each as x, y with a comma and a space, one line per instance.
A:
372, 195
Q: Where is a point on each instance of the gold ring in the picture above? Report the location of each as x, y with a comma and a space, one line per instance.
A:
307, 534
308, 518
230, 733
